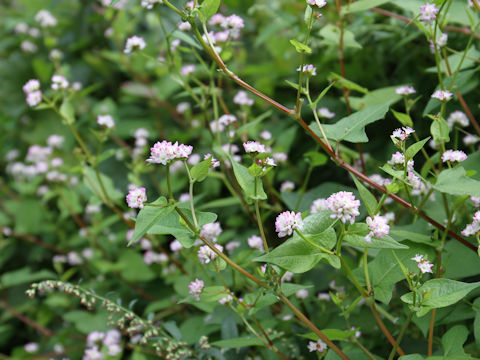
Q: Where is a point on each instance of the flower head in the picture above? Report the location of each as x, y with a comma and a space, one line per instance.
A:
241, 98
457, 117
210, 231
319, 3
470, 140
442, 95
45, 18
134, 43
225, 300
255, 242
254, 147
308, 69
287, 186
428, 12
454, 156
34, 98
344, 206
31, 86
425, 266
398, 160
319, 346
378, 226
164, 152
206, 255
187, 70
195, 288
403, 133
136, 197
106, 120
148, 4
405, 90
473, 228
59, 82
288, 221
325, 113
318, 205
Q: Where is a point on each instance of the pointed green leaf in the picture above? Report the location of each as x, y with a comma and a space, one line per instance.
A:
200, 171
340, 82
368, 199
300, 48
209, 8
251, 185
352, 127
415, 148
404, 119
455, 182
149, 216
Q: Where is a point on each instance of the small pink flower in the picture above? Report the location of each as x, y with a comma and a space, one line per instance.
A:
287, 222
211, 231
241, 98
187, 70
136, 197
254, 147
134, 43
319, 346
308, 69
403, 133
255, 242
319, 3
442, 95
454, 156
405, 90
378, 226
428, 12
196, 288
302, 294
425, 266
344, 206
206, 255
318, 205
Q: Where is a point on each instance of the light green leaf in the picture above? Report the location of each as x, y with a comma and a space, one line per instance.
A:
67, 111
133, 268
368, 199
453, 341
209, 8
238, 342
375, 97
332, 334
340, 82
352, 127
322, 94
404, 119
440, 131
415, 148
300, 47
251, 185
331, 36
443, 292
455, 182
362, 5
91, 180
25, 275
149, 216
200, 171
315, 158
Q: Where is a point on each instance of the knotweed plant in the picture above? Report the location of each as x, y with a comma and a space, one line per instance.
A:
293, 179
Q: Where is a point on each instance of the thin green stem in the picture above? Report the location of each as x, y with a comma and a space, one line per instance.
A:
260, 226
313, 244
169, 185
400, 336
365, 270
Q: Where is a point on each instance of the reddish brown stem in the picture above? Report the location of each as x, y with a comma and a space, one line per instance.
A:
385, 330
468, 112
461, 30
26, 320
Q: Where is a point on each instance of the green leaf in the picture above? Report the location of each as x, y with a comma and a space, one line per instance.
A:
362, 5
368, 199
316, 158
200, 171
149, 216
67, 111
297, 255
404, 119
415, 148
133, 268
440, 131
332, 334
443, 292
375, 97
386, 242
453, 341
331, 36
295, 86
209, 8
453, 181
322, 94
263, 298
300, 48
251, 185
92, 181
24, 275
340, 82
352, 127
173, 224
238, 342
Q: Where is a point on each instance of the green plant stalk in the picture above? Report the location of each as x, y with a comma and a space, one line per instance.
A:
400, 336
260, 226
259, 282
190, 192
365, 270
313, 244
169, 185
340, 240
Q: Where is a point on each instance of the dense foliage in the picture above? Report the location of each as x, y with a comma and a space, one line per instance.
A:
239, 179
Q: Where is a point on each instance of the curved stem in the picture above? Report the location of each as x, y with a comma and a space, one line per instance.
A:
400, 336
260, 226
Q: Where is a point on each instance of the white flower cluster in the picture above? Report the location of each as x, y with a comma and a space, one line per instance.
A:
344, 206
97, 340
33, 92
164, 152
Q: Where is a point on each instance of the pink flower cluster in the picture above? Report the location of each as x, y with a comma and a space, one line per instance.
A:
210, 231
319, 346
454, 156
344, 206
457, 117
423, 264
254, 147
318, 205
164, 152
288, 221
428, 12
473, 228
378, 226
206, 255
405, 90
255, 242
196, 288
96, 340
33, 92
398, 160
442, 95
136, 197
241, 98
403, 133
318, 3
308, 69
